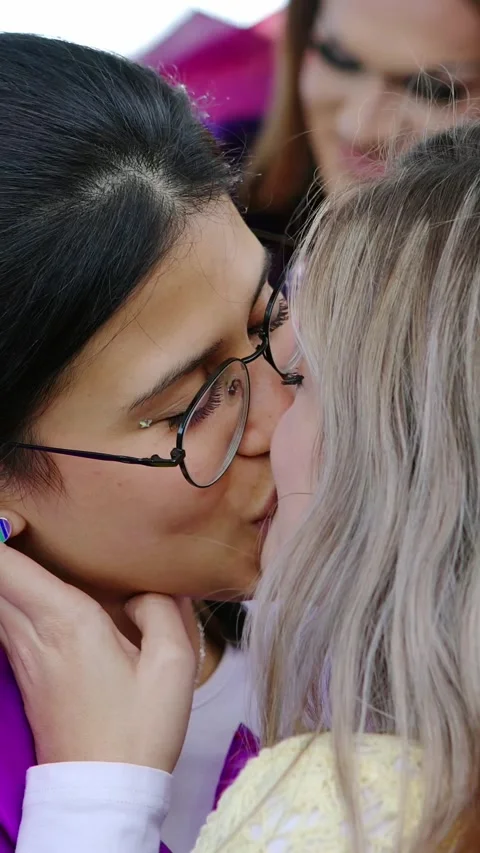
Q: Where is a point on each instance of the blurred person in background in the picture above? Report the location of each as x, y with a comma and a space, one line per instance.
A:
357, 80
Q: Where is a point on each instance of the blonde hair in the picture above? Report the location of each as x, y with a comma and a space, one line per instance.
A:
371, 614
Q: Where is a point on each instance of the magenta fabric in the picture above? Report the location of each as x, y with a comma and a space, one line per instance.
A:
17, 754
244, 746
227, 70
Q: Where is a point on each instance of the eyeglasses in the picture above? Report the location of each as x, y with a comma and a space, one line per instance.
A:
212, 427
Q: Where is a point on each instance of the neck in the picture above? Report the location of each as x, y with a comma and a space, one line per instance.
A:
213, 651
213, 656
115, 609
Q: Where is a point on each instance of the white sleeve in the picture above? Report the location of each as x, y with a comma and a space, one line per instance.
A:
93, 807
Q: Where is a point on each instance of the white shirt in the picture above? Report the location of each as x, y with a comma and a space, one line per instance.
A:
90, 807
115, 808
220, 705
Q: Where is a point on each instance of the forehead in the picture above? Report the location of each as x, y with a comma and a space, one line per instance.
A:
398, 35
192, 300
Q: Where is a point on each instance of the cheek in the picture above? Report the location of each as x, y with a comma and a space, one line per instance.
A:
292, 446
430, 120
320, 88
292, 465
152, 500
123, 528
283, 454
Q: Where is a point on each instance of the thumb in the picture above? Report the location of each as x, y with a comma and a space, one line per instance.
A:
160, 622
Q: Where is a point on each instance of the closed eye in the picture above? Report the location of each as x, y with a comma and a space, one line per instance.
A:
207, 405
212, 401
280, 315
255, 331
435, 89
332, 53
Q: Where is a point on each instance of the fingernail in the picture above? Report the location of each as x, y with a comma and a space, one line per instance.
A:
5, 529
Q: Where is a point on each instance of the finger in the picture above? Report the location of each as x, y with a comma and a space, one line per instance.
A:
161, 625
14, 626
31, 588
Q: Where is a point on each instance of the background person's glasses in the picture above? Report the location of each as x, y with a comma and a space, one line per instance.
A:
211, 429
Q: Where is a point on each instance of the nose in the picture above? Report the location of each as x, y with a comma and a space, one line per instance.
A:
269, 399
372, 114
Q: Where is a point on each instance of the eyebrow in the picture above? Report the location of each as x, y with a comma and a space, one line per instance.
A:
192, 363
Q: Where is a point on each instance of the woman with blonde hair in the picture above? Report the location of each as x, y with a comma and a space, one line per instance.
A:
368, 610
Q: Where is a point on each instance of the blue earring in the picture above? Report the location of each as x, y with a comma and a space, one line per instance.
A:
5, 529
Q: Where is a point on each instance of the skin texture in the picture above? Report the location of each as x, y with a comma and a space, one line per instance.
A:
293, 467
118, 530
76, 671
356, 116
75, 668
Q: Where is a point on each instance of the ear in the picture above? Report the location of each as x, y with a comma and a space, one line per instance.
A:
11, 523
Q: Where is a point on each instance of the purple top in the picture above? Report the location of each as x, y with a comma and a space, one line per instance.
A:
17, 754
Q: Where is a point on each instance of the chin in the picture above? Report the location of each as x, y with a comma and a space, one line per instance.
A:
236, 582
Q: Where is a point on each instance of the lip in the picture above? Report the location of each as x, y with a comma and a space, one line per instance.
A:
361, 164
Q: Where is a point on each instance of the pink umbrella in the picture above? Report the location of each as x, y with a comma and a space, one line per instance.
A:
227, 69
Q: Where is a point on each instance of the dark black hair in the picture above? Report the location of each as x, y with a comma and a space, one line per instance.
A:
101, 161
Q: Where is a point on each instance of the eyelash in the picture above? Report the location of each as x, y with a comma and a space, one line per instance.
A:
423, 86
282, 317
174, 421
334, 57
212, 403
432, 89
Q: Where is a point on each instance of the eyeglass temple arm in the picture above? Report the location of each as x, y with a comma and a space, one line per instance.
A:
154, 461
262, 349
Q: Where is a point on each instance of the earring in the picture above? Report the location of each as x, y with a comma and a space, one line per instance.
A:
147, 422
5, 529
202, 651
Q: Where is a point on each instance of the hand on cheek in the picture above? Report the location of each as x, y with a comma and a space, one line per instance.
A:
90, 694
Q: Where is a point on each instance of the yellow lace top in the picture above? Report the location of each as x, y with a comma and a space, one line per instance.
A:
287, 800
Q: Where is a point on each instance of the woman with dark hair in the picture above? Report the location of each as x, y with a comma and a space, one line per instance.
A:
356, 81
134, 439
364, 636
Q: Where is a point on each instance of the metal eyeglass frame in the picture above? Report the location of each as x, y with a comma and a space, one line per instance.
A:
178, 454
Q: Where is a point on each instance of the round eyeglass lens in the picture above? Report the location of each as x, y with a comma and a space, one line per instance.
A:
215, 426
280, 335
